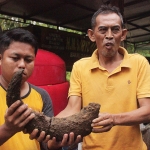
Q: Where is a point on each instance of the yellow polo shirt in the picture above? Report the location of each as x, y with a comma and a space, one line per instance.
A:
116, 92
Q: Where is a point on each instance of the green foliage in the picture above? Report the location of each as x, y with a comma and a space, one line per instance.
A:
68, 73
130, 48
70, 30
9, 22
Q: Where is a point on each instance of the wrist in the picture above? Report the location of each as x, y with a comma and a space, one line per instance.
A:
8, 130
117, 119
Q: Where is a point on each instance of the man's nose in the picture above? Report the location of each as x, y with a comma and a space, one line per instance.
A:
21, 63
109, 34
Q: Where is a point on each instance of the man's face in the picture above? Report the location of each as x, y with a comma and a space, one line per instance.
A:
108, 34
18, 55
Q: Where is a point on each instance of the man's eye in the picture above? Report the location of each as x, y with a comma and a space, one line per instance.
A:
28, 60
115, 30
102, 30
15, 58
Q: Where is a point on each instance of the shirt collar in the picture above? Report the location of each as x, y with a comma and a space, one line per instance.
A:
94, 63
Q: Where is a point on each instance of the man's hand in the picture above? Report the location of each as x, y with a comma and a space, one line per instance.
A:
17, 116
53, 144
103, 123
40, 138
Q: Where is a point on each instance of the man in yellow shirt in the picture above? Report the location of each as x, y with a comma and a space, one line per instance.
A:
18, 48
118, 81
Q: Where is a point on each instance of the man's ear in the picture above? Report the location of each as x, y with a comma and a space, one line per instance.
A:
124, 34
91, 35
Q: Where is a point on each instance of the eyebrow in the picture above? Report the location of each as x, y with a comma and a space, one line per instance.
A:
108, 27
16, 54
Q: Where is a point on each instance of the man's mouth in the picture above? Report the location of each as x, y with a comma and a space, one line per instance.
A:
109, 45
24, 74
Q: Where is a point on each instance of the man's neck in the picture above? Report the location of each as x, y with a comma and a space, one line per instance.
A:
111, 63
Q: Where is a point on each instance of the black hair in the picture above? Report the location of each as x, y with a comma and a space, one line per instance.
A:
17, 35
106, 9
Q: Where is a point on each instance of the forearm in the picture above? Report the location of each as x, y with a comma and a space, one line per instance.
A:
65, 113
5, 134
73, 106
137, 116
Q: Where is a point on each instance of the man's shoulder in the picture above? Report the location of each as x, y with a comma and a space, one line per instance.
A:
137, 56
137, 60
38, 89
83, 60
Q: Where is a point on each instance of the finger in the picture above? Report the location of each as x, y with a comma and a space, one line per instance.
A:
71, 138
41, 137
54, 140
98, 124
26, 120
34, 134
74, 144
65, 140
100, 130
78, 139
47, 138
24, 115
100, 118
21, 109
18, 112
104, 122
13, 107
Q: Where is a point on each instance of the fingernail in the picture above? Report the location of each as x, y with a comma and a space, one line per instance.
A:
33, 114
18, 101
